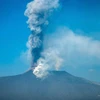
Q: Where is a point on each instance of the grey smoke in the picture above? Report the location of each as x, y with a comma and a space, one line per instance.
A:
38, 12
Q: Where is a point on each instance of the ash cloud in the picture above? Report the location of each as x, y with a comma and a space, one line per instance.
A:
66, 48
38, 12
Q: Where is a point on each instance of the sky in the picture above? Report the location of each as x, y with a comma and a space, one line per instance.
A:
80, 17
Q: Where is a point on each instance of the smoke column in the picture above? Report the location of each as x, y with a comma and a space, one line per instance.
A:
38, 12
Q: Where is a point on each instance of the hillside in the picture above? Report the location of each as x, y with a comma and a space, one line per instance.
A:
58, 85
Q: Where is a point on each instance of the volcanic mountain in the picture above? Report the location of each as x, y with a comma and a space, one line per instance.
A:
58, 85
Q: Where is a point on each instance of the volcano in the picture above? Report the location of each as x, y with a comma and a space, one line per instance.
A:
58, 85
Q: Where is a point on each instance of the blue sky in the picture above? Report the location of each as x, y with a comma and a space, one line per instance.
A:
81, 16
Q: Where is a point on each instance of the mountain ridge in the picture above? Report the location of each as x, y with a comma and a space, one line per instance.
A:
58, 85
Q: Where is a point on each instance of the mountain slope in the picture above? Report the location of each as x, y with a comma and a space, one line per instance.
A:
59, 85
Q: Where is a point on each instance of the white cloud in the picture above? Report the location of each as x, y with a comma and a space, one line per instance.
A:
76, 50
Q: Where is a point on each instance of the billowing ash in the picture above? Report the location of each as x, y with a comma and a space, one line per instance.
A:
38, 12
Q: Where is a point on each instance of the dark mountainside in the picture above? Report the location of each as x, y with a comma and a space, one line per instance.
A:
59, 85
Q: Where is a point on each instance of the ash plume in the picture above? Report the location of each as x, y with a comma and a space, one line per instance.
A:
38, 12
49, 60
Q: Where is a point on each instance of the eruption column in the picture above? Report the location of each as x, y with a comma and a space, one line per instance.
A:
38, 12
36, 52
